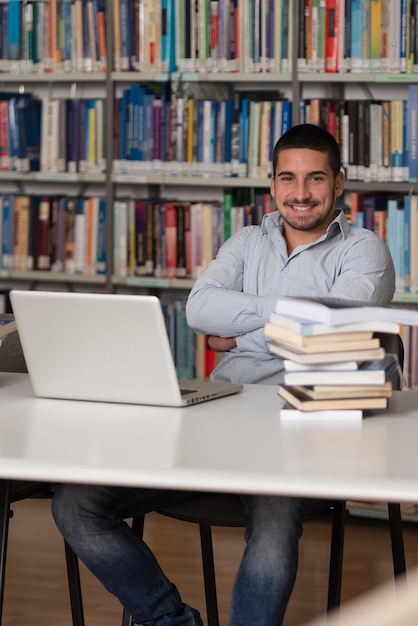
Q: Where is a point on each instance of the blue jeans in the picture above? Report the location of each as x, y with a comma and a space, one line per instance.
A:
91, 520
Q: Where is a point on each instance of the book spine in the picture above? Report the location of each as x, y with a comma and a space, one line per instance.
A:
397, 139
171, 240
140, 237
375, 35
407, 244
412, 133
356, 35
331, 35
101, 237
14, 34
43, 261
7, 233
181, 270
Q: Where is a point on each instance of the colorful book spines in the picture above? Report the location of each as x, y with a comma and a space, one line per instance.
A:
380, 137
30, 137
175, 239
212, 134
48, 36
38, 233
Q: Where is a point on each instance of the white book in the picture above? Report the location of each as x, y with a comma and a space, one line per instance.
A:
334, 311
345, 366
327, 357
349, 415
375, 372
308, 328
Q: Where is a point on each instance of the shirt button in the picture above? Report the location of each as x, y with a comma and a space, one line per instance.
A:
257, 364
285, 269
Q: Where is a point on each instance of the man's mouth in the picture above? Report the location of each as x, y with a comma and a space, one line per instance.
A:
300, 207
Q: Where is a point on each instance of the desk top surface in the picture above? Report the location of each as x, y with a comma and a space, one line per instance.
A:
234, 444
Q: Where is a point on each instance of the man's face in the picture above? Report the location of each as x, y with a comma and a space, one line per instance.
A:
305, 189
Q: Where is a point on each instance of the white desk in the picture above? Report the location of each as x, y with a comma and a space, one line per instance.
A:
235, 444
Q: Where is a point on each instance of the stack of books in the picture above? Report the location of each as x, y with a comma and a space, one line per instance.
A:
334, 368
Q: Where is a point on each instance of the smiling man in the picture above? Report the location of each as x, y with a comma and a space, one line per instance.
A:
306, 248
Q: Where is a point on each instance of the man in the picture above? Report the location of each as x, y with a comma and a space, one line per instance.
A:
305, 250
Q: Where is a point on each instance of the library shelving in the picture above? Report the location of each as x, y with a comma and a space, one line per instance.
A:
180, 50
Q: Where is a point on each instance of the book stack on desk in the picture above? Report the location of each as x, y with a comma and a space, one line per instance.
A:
332, 369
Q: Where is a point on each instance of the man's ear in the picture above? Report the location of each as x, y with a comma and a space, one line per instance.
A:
339, 184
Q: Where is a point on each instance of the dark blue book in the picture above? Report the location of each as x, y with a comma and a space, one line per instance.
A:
148, 125
286, 116
124, 125
244, 131
101, 237
82, 161
165, 120
140, 237
73, 136
229, 106
29, 112
7, 233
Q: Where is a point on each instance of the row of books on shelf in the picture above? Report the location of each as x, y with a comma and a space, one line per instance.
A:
178, 239
334, 364
195, 130
220, 36
181, 131
378, 139
168, 239
188, 130
51, 134
192, 356
358, 36
394, 218
53, 233
52, 36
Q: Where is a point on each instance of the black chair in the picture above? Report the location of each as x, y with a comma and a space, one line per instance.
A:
12, 360
209, 510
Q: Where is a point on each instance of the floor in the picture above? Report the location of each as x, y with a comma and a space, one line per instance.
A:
36, 589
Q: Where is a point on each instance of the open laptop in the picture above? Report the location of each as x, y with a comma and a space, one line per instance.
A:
103, 347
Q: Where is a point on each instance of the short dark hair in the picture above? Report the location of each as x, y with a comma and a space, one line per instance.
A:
311, 137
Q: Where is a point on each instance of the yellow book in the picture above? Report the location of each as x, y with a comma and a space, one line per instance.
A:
190, 129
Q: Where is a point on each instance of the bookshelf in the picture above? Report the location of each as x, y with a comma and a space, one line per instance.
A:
289, 77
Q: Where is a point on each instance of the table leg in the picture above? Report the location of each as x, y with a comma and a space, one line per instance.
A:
4, 529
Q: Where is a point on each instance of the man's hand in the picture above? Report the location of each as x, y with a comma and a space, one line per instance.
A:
221, 344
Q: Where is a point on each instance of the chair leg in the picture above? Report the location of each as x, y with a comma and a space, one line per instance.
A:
396, 535
336, 556
209, 575
138, 528
74, 585
4, 529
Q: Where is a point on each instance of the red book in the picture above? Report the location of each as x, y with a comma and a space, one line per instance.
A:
171, 240
188, 239
331, 35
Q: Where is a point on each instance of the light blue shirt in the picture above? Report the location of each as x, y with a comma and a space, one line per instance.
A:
238, 290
